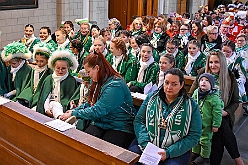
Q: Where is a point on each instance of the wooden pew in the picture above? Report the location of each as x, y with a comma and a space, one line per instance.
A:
188, 82
24, 139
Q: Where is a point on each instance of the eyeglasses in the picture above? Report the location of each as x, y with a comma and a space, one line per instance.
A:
170, 48
213, 33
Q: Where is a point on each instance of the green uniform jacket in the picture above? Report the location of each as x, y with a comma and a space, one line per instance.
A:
198, 64
150, 75
87, 42
211, 111
3, 75
233, 101
127, 69
21, 81
28, 93
67, 88
182, 145
113, 109
180, 60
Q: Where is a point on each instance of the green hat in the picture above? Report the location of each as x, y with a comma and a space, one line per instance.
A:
80, 21
15, 50
45, 49
63, 55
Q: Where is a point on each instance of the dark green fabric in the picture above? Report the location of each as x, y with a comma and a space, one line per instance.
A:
67, 88
86, 42
198, 64
127, 69
3, 76
21, 80
150, 75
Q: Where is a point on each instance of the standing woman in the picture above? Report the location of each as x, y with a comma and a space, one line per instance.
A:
121, 62
169, 119
18, 72
171, 47
112, 117
225, 81
148, 70
62, 41
197, 31
159, 37
166, 62
29, 40
55, 94
195, 60
41, 54
45, 36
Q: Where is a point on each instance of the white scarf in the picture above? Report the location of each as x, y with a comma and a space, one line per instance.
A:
30, 40
161, 78
116, 61
175, 53
46, 40
57, 80
83, 94
143, 66
13, 71
127, 45
135, 52
37, 71
191, 60
231, 59
62, 46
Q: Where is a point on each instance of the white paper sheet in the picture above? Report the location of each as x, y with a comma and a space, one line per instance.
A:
138, 95
3, 100
59, 125
150, 88
150, 155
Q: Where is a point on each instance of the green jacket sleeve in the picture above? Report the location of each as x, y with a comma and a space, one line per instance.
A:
131, 70
217, 106
105, 104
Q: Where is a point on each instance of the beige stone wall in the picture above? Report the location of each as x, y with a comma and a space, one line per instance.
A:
12, 22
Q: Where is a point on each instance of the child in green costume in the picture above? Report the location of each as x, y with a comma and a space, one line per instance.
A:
18, 72
211, 112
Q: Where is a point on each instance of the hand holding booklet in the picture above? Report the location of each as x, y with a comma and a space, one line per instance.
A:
150, 155
150, 88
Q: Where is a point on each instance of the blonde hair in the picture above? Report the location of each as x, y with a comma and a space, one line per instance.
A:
120, 44
137, 21
210, 28
224, 78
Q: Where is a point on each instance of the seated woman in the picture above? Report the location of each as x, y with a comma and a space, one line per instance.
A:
45, 36
18, 72
62, 41
134, 50
58, 88
169, 119
121, 62
126, 36
195, 59
236, 63
41, 55
100, 46
148, 70
112, 117
166, 62
137, 28
225, 81
29, 40
171, 47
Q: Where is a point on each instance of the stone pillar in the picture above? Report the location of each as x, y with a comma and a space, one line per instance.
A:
99, 12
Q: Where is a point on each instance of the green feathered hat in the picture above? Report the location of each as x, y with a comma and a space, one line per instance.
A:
15, 50
45, 49
63, 55
80, 21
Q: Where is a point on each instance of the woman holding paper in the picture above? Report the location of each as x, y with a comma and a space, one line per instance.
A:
169, 119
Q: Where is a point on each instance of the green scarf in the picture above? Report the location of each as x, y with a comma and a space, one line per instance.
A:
155, 38
209, 46
135, 33
177, 125
243, 48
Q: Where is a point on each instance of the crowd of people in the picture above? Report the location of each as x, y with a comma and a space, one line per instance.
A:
89, 75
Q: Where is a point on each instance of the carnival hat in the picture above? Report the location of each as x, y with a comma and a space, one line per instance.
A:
45, 49
15, 50
80, 21
63, 55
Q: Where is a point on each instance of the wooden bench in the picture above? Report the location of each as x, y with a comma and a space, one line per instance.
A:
24, 139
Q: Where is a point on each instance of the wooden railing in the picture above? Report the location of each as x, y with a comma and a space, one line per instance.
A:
24, 139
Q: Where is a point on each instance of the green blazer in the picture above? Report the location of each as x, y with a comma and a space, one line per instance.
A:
198, 64
150, 75
67, 88
87, 42
127, 69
